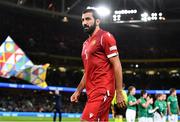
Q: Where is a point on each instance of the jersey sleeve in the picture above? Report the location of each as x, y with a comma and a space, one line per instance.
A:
169, 100
156, 104
142, 102
108, 43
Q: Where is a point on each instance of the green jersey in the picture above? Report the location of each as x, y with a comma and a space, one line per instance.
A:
159, 104
131, 99
164, 107
142, 112
173, 102
149, 108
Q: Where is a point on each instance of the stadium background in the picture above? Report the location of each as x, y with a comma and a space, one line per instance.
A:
149, 50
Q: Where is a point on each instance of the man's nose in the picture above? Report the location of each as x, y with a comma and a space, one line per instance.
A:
84, 23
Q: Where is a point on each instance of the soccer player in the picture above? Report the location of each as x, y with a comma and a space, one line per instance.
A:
173, 107
131, 105
142, 107
158, 116
103, 71
164, 108
118, 112
150, 110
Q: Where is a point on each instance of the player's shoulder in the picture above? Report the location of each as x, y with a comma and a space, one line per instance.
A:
106, 33
169, 97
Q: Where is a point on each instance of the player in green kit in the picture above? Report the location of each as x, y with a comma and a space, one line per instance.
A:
131, 105
150, 109
164, 108
173, 107
158, 116
142, 107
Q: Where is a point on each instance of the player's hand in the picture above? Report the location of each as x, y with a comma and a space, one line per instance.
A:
138, 101
151, 101
120, 100
75, 97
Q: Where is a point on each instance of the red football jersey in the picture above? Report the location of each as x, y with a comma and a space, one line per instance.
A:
99, 74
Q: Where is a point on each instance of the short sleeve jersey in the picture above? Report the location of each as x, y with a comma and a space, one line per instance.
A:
99, 74
142, 112
131, 98
160, 105
173, 102
149, 108
164, 107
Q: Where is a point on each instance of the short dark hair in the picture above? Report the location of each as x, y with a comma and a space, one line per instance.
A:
172, 90
93, 11
149, 95
143, 92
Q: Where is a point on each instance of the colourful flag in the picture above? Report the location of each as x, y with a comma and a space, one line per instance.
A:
12, 59
35, 74
13, 62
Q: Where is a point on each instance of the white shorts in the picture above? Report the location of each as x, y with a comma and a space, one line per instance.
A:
173, 118
149, 119
142, 119
130, 115
157, 117
164, 118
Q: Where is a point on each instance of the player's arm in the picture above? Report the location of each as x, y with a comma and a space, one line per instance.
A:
109, 45
76, 94
133, 103
169, 107
153, 110
118, 79
146, 104
178, 109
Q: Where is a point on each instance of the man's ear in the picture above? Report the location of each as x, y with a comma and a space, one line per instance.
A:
98, 22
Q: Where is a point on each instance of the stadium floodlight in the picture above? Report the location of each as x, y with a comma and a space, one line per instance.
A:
102, 10
128, 72
134, 73
173, 71
62, 69
150, 72
158, 73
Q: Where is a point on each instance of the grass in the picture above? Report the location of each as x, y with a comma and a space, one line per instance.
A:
38, 119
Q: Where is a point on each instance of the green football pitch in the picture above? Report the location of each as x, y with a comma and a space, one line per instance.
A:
38, 119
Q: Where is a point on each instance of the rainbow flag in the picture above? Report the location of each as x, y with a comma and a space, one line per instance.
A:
13, 61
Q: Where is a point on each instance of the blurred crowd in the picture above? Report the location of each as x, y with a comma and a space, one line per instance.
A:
36, 101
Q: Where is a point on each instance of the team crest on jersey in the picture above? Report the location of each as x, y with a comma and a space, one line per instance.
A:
93, 42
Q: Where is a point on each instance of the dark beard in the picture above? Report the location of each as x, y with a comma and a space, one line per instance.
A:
89, 30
